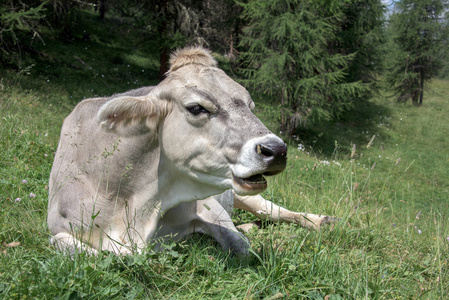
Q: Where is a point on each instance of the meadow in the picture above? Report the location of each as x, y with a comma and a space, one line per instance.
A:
390, 191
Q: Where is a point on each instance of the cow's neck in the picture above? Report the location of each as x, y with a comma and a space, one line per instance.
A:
169, 188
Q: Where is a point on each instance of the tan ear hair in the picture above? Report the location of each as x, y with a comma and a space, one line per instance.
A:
132, 115
191, 55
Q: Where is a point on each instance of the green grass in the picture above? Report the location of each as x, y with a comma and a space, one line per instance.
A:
392, 241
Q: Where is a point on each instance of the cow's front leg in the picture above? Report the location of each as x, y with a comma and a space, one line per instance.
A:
267, 210
127, 234
214, 220
68, 243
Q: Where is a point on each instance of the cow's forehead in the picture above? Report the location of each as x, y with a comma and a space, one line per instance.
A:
212, 84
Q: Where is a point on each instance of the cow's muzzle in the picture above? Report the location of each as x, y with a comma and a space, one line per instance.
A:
272, 155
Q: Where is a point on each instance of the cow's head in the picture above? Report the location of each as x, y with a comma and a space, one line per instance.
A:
203, 124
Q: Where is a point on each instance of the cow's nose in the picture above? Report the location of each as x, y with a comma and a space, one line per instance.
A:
274, 154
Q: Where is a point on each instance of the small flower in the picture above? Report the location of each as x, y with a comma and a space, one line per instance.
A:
447, 238
18, 200
24, 181
394, 224
325, 162
417, 215
419, 231
32, 195
45, 154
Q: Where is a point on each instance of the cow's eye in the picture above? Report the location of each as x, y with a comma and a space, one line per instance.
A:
197, 109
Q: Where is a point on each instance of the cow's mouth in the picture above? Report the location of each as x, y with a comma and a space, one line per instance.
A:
253, 183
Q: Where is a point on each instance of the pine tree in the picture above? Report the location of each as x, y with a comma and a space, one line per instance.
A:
287, 53
361, 31
18, 23
418, 30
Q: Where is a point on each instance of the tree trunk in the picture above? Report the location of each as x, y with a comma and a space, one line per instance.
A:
415, 96
102, 9
162, 30
421, 92
283, 121
163, 59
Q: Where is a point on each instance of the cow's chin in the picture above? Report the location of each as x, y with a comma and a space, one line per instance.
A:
249, 186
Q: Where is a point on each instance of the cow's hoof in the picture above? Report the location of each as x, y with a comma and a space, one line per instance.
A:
247, 227
241, 248
329, 221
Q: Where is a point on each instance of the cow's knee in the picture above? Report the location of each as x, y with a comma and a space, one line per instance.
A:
67, 243
229, 238
236, 242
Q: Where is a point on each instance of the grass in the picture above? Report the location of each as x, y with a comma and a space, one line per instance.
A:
392, 198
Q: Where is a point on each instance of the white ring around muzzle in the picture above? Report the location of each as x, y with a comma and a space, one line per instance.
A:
250, 162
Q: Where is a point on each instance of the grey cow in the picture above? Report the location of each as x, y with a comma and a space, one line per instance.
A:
146, 164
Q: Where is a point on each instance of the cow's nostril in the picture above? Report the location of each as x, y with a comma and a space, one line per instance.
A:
265, 151
271, 150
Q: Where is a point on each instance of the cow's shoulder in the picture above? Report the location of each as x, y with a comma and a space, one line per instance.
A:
84, 113
143, 91
90, 105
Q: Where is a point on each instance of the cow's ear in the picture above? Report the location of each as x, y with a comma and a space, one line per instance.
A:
130, 116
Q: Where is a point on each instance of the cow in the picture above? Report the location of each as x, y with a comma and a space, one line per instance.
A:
165, 161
